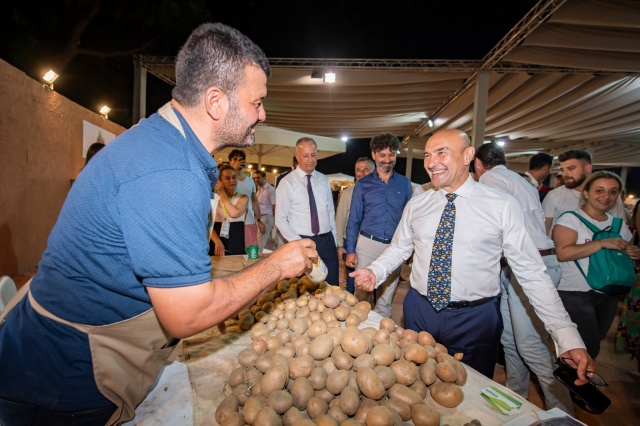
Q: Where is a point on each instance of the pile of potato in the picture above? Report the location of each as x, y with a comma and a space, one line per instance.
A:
302, 368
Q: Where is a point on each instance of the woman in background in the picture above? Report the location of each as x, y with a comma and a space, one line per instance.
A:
228, 230
93, 150
592, 311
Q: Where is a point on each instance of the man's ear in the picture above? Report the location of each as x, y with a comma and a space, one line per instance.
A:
588, 168
216, 102
469, 152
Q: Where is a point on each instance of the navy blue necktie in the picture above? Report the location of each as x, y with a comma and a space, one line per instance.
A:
315, 224
439, 292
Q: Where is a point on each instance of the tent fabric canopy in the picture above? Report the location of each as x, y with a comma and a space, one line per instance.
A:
567, 76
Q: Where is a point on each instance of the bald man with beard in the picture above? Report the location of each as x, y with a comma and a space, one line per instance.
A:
463, 311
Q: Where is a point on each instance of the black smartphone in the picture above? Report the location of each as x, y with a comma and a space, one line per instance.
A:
588, 393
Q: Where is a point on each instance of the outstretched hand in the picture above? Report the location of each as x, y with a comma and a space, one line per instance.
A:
365, 279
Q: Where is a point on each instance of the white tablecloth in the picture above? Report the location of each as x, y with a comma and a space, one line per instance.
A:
184, 399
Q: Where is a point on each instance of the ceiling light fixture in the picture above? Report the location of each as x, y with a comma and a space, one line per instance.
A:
344, 139
104, 112
430, 122
49, 77
329, 76
275, 170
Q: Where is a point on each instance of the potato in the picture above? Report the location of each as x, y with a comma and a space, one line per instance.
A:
441, 348
416, 353
386, 375
355, 344
342, 360
321, 347
410, 335
406, 371
267, 297
233, 419
423, 415
364, 360
286, 351
317, 407
301, 392
298, 325
420, 388
337, 381
353, 320
370, 384
327, 419
349, 400
336, 336
272, 343
236, 377
251, 407
328, 365
263, 363
461, 372
242, 392
247, 357
229, 405
316, 329
292, 416
365, 306
258, 330
387, 324
381, 337
399, 406
280, 401
331, 300
446, 372
383, 354
274, 379
447, 394
252, 376
267, 417
366, 405
383, 416
325, 394
405, 394
341, 313
301, 366
318, 378
428, 372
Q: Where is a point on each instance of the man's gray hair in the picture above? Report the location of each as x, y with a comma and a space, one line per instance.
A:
214, 55
302, 140
366, 160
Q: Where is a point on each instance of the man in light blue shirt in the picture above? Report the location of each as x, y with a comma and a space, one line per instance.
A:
376, 208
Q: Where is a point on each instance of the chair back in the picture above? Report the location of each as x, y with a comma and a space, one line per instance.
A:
7, 291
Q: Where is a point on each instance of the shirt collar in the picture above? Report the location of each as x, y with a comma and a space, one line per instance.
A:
464, 191
302, 173
375, 174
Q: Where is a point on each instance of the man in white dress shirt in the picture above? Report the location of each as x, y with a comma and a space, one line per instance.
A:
295, 213
487, 223
364, 166
524, 338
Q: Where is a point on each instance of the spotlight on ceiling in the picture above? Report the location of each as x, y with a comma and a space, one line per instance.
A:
329, 76
104, 112
249, 166
500, 142
430, 123
49, 77
263, 169
275, 170
344, 139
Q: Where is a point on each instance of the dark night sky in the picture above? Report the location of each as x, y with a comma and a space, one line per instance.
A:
34, 32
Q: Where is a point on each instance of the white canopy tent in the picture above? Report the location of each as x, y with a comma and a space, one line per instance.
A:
276, 147
340, 177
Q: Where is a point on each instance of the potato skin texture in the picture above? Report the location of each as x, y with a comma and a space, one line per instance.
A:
423, 415
370, 384
383, 416
447, 394
229, 405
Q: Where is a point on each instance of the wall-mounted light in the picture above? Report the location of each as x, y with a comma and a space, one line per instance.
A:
104, 112
329, 76
49, 77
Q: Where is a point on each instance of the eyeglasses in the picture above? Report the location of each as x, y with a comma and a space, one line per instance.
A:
593, 378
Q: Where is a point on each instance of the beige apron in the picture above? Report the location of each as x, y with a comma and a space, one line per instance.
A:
127, 356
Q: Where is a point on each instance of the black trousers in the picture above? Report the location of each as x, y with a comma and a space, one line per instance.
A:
20, 414
328, 252
475, 331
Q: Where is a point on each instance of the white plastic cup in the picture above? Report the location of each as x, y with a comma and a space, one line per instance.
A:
318, 272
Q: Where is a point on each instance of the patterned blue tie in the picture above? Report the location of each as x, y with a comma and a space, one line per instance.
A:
439, 293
